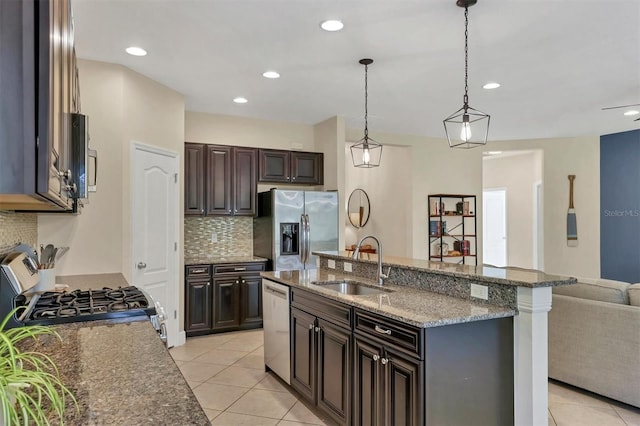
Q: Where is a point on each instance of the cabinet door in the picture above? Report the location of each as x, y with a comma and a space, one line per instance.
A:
193, 179
198, 309
403, 403
245, 183
303, 349
307, 168
334, 371
274, 165
226, 303
251, 295
368, 398
218, 180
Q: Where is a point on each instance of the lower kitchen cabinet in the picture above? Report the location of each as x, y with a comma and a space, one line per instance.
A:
387, 385
321, 363
227, 299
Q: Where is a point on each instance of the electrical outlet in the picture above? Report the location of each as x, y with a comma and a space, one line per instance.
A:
480, 291
214, 237
331, 263
347, 267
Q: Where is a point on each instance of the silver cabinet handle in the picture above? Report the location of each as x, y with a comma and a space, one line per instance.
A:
317, 329
382, 330
384, 361
198, 271
141, 265
310, 326
237, 281
376, 357
208, 284
239, 269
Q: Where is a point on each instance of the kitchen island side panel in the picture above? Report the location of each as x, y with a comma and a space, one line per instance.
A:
469, 373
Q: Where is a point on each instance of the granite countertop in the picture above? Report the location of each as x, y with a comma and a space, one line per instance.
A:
215, 260
120, 373
509, 275
410, 305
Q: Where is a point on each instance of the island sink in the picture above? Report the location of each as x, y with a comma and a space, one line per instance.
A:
351, 287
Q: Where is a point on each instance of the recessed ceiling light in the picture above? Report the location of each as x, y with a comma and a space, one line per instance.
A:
631, 112
271, 74
136, 51
491, 86
240, 100
332, 25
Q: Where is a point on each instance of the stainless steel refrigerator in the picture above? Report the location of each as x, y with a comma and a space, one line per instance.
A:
292, 224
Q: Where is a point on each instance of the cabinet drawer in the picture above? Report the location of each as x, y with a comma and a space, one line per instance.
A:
403, 336
198, 270
322, 307
238, 268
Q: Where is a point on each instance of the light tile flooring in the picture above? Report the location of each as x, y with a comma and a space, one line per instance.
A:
226, 373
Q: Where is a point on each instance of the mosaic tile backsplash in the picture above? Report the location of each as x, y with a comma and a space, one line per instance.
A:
234, 234
17, 228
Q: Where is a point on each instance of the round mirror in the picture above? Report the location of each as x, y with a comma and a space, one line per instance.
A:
358, 208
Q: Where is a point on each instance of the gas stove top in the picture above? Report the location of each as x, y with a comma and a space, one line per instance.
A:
86, 305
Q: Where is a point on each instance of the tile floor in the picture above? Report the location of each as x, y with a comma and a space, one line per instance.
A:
226, 373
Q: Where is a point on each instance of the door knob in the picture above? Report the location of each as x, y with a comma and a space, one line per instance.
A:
142, 265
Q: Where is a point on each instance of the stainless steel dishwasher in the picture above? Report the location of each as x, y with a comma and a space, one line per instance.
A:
275, 319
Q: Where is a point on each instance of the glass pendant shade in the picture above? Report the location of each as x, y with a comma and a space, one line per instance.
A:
366, 153
467, 128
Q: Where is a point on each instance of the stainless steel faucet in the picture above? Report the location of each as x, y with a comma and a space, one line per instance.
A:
379, 276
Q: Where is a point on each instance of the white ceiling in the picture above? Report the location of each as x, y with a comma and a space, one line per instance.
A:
559, 61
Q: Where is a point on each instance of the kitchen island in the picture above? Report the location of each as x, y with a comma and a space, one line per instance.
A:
448, 344
120, 373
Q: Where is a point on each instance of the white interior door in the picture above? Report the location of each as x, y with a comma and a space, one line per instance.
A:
154, 228
494, 227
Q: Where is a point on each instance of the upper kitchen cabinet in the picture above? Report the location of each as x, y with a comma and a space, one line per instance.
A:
278, 166
39, 86
220, 180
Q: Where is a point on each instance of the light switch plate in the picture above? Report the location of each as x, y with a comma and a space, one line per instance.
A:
347, 267
331, 263
480, 291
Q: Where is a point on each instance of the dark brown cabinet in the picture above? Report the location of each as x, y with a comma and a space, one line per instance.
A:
223, 297
39, 93
220, 180
278, 166
198, 298
321, 355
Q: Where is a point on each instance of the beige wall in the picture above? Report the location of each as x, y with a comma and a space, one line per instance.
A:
517, 173
122, 106
562, 157
389, 188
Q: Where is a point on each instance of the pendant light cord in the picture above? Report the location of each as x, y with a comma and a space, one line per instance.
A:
366, 112
466, 57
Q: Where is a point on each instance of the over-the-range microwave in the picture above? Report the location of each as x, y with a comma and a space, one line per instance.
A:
84, 160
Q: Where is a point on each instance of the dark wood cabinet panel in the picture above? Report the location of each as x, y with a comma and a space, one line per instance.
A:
198, 304
251, 294
279, 166
193, 179
334, 370
218, 180
275, 165
367, 387
303, 353
307, 168
245, 181
226, 303
403, 403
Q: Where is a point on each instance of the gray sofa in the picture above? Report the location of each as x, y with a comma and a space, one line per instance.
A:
594, 338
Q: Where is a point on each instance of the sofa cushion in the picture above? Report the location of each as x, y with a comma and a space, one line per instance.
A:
634, 294
597, 289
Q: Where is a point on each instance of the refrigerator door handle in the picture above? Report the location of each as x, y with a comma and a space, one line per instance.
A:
307, 238
303, 239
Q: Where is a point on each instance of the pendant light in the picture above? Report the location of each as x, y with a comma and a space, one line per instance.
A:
367, 152
467, 127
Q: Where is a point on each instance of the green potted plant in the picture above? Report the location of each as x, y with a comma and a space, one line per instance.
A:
30, 387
